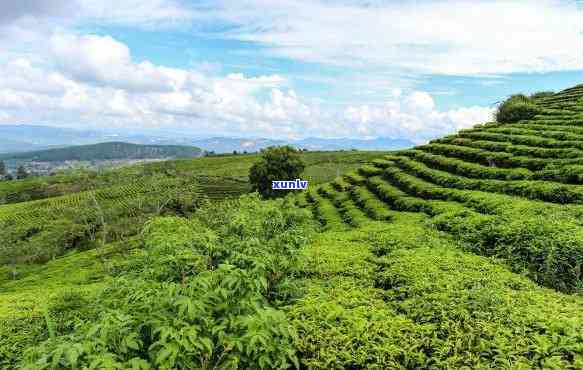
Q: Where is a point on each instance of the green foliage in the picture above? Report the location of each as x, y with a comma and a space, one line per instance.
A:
370, 204
516, 108
324, 211
42, 230
424, 304
427, 258
542, 94
471, 304
201, 295
547, 191
276, 164
219, 176
548, 248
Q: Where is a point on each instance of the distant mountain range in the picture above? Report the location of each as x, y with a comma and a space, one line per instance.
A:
106, 151
22, 138
226, 145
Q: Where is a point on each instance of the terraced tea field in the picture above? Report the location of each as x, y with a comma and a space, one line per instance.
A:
229, 173
121, 196
484, 178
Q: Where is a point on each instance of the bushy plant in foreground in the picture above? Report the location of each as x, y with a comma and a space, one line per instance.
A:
199, 296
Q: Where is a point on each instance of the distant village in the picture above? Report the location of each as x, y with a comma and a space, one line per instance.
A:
13, 169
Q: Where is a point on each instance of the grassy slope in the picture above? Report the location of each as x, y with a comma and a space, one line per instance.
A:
27, 295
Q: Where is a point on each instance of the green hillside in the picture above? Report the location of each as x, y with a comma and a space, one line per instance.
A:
106, 151
44, 217
464, 253
321, 167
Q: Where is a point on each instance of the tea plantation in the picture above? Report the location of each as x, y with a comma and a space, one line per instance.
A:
464, 253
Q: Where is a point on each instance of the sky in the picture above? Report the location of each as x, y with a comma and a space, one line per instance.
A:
284, 69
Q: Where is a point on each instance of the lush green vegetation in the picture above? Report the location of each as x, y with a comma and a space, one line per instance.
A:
153, 312
320, 167
465, 253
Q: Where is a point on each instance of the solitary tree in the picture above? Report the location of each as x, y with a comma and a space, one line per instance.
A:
2, 170
21, 173
276, 163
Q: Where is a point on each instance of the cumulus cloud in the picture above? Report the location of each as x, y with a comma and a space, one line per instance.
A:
135, 12
93, 80
55, 76
412, 116
105, 61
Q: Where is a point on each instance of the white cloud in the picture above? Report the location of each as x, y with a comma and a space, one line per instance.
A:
135, 12
413, 116
453, 37
94, 82
15, 10
126, 12
55, 76
105, 61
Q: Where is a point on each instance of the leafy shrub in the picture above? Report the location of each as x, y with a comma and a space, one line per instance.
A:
16, 335
516, 108
200, 297
370, 204
324, 211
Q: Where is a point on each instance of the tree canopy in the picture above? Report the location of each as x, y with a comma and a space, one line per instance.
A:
276, 164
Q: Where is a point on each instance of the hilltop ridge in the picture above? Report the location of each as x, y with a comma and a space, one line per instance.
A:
106, 151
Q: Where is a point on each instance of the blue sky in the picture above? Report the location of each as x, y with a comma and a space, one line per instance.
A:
219, 55
281, 69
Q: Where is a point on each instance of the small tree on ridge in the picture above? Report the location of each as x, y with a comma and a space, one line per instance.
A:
276, 163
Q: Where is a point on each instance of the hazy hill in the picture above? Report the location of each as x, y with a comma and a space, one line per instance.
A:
106, 151
14, 146
230, 144
23, 138
382, 143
